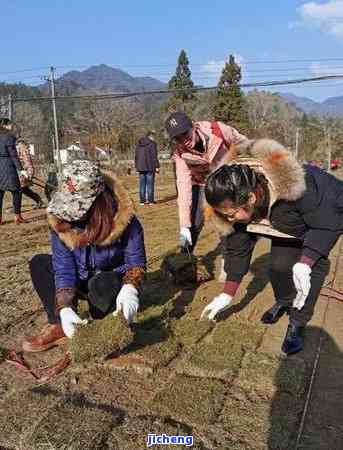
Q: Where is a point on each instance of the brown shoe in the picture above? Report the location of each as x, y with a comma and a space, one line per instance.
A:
50, 336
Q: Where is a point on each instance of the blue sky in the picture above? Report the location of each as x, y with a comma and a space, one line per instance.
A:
145, 38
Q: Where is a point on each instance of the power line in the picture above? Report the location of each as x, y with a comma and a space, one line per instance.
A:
167, 91
244, 63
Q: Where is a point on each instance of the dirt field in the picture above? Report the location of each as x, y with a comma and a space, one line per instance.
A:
225, 384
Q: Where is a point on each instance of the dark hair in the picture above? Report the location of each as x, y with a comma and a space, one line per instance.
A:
233, 183
99, 220
5, 121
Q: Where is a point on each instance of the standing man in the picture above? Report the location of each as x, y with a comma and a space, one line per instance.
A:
26, 162
147, 164
200, 148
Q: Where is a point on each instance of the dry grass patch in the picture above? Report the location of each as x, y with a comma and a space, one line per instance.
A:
19, 412
220, 354
261, 424
190, 400
157, 346
132, 435
99, 338
263, 375
189, 331
74, 425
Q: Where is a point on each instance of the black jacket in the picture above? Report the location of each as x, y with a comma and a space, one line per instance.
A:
316, 218
146, 156
9, 162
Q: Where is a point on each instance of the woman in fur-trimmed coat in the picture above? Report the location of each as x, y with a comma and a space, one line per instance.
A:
97, 251
299, 208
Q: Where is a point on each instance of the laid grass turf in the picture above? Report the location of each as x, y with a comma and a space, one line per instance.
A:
157, 346
3, 354
189, 331
220, 354
190, 400
132, 434
264, 375
75, 425
20, 412
100, 338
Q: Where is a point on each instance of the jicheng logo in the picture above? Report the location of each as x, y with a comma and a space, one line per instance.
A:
173, 123
165, 439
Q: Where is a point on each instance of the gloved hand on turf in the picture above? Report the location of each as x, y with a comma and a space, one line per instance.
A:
219, 304
185, 237
69, 319
127, 302
302, 282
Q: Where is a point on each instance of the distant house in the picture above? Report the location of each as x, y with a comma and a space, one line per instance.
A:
71, 153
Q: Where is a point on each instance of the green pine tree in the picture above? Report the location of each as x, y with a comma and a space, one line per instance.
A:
182, 82
230, 105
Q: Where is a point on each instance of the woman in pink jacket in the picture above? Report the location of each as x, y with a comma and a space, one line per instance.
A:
201, 147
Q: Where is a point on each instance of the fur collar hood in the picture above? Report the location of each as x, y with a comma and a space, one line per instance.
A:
285, 176
121, 220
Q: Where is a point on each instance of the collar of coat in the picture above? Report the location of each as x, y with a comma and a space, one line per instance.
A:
211, 143
285, 176
123, 217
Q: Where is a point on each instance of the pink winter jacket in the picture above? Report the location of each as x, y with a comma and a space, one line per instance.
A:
193, 167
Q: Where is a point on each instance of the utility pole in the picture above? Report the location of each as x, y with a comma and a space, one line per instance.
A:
53, 99
10, 106
329, 148
297, 143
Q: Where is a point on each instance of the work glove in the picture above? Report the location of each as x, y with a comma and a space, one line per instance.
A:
302, 282
127, 302
69, 319
219, 304
185, 237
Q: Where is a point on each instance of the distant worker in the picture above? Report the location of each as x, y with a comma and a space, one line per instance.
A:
299, 208
200, 148
25, 182
11, 169
147, 165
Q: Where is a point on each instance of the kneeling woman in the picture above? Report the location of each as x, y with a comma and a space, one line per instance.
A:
299, 208
97, 252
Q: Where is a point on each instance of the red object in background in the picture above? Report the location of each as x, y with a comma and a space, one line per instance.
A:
335, 164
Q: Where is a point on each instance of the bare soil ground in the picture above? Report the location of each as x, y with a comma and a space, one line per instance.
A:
226, 384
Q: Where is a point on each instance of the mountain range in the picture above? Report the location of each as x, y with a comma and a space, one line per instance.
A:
106, 79
332, 106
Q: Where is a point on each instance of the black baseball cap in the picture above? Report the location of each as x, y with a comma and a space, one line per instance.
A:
178, 123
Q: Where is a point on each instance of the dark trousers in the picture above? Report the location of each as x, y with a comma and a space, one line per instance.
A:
146, 187
29, 193
16, 200
100, 290
284, 254
197, 218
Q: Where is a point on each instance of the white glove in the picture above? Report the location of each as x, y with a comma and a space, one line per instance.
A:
69, 319
24, 174
219, 304
185, 237
302, 282
128, 302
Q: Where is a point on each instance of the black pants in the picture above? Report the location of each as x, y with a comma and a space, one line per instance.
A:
101, 290
29, 193
284, 254
16, 200
197, 218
